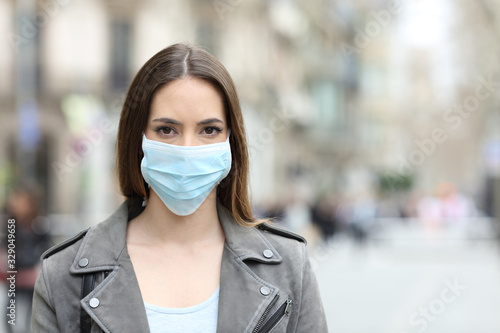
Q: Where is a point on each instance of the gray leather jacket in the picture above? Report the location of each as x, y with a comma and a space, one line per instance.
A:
265, 278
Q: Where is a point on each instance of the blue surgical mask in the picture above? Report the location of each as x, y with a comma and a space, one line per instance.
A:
183, 176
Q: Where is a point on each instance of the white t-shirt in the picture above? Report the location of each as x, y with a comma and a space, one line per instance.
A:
194, 319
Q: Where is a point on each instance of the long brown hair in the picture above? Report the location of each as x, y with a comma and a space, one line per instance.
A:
176, 62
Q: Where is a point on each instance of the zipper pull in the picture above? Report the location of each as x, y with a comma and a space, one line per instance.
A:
288, 305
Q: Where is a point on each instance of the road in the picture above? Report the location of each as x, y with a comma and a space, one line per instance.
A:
411, 279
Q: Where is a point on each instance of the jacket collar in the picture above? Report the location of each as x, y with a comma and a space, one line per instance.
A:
103, 245
104, 249
246, 243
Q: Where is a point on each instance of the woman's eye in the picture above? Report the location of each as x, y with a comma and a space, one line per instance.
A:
212, 130
165, 130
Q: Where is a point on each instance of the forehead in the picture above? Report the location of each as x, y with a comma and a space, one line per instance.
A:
187, 98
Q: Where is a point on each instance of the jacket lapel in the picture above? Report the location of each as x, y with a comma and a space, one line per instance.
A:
118, 294
244, 296
121, 308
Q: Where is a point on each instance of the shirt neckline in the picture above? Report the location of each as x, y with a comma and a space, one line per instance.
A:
190, 309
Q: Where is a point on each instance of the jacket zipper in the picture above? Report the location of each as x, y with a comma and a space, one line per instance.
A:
283, 310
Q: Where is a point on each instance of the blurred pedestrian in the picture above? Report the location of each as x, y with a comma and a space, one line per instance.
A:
297, 214
323, 215
358, 215
455, 207
448, 207
184, 250
30, 237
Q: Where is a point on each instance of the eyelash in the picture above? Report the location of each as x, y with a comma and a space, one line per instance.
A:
215, 128
161, 128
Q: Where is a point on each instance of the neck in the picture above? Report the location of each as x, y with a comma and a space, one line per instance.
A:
158, 225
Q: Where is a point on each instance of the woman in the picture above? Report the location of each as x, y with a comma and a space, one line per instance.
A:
183, 253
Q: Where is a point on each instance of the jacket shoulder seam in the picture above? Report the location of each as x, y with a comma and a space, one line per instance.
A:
64, 244
281, 232
303, 271
46, 281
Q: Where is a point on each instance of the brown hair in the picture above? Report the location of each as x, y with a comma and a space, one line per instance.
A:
176, 62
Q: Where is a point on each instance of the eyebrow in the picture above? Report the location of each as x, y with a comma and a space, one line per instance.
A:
167, 121
175, 122
210, 121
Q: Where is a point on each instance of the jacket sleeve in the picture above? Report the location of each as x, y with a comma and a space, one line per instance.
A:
43, 317
312, 315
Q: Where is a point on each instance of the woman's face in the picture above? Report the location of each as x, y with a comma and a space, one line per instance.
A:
187, 112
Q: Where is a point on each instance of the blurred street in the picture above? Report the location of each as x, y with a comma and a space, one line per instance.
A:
403, 277
372, 129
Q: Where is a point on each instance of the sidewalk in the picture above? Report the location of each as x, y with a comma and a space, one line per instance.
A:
411, 282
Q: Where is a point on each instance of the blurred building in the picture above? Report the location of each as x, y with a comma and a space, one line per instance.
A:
428, 100
330, 90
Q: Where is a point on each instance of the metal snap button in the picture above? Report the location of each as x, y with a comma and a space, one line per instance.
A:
83, 262
265, 291
268, 253
94, 303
